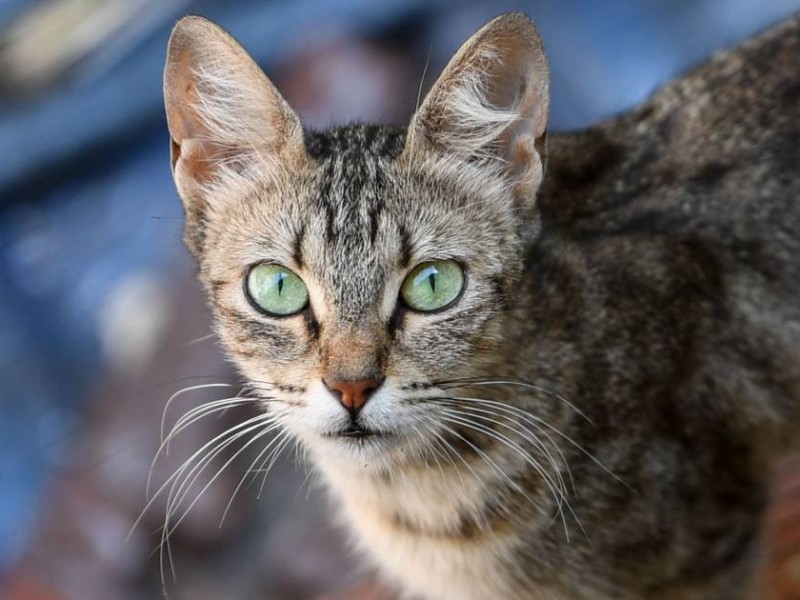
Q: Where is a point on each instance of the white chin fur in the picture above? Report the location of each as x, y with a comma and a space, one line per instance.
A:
385, 413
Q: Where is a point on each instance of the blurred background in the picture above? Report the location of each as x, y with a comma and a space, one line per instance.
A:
101, 321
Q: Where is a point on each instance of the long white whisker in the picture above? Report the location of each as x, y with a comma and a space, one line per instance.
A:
167, 529
197, 340
179, 491
187, 420
272, 459
487, 459
534, 419
484, 382
530, 436
178, 472
183, 391
439, 450
243, 478
227, 463
200, 412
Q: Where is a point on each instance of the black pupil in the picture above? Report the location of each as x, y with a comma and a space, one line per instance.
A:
281, 277
432, 280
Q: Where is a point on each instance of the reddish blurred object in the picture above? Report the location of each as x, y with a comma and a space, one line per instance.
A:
781, 574
25, 586
364, 591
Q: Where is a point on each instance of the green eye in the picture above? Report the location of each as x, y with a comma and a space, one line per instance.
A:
276, 289
432, 285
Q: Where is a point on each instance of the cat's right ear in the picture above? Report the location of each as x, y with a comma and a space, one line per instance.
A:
228, 124
490, 105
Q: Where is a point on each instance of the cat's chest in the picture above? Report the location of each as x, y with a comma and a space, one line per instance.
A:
409, 533
431, 568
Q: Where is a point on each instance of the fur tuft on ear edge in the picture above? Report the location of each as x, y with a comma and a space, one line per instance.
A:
227, 121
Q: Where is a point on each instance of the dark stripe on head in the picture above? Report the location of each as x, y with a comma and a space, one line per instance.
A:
297, 249
405, 246
500, 292
375, 210
378, 140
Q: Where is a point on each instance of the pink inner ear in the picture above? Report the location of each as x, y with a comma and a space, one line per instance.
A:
201, 158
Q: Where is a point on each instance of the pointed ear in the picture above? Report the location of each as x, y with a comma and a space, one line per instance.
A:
225, 117
490, 104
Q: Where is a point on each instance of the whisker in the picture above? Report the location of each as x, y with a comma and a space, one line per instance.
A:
527, 434
514, 485
419, 98
261, 453
530, 418
181, 493
202, 338
183, 391
210, 443
272, 459
172, 481
168, 529
475, 381
558, 488
194, 415
439, 449
199, 412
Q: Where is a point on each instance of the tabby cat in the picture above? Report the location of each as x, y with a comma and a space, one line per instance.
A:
517, 386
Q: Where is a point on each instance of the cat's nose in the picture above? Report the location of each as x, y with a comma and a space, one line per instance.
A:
353, 394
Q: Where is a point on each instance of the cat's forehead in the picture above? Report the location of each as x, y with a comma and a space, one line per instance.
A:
352, 230
357, 143
354, 180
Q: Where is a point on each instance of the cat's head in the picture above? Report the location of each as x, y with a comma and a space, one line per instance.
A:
355, 270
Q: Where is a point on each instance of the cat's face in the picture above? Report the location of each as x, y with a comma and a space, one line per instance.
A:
351, 226
353, 272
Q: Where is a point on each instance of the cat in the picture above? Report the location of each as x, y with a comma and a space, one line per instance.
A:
526, 369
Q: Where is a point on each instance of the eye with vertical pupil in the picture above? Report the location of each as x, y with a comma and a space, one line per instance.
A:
276, 290
432, 285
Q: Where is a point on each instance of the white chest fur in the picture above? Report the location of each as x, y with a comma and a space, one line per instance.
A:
408, 527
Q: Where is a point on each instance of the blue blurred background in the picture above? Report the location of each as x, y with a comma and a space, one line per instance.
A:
91, 264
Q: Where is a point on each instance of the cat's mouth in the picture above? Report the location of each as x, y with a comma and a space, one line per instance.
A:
355, 431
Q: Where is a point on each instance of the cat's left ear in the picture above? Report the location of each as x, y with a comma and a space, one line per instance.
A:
490, 104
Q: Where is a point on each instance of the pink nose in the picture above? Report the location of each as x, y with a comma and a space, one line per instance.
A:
353, 394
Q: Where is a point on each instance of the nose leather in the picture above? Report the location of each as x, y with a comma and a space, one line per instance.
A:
353, 394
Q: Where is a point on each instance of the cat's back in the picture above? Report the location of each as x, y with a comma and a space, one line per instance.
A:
717, 147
